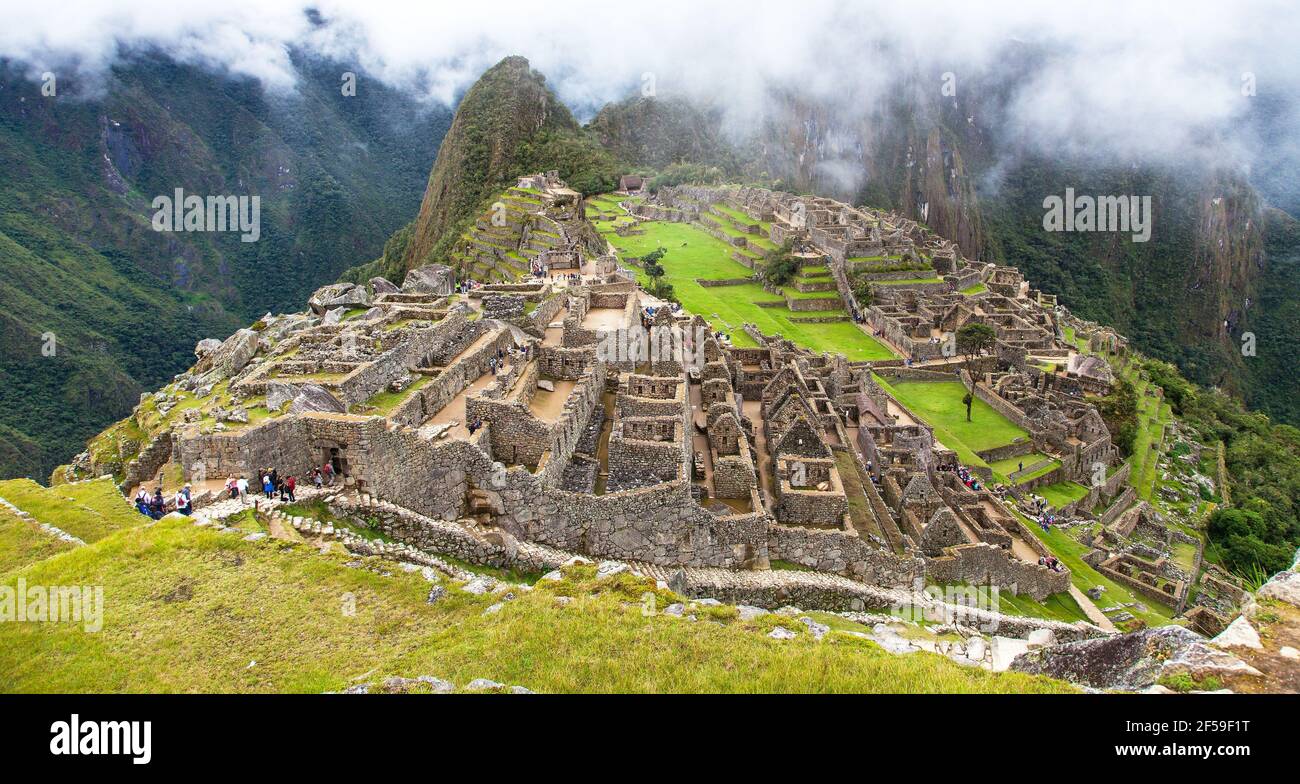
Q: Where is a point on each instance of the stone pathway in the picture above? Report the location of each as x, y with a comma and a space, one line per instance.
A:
219, 511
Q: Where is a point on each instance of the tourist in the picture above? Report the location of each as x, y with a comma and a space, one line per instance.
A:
242, 486
317, 479
268, 488
328, 471
142, 502
232, 487
157, 506
289, 485
182, 503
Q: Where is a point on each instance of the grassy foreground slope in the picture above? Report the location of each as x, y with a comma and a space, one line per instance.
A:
189, 609
87, 510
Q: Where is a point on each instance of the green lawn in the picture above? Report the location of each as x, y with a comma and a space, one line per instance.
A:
1062, 493
693, 254
188, 609
735, 214
1057, 607
1153, 414
939, 404
1004, 468
23, 542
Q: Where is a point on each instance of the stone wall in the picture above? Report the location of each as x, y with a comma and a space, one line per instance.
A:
281, 443
842, 553
984, 564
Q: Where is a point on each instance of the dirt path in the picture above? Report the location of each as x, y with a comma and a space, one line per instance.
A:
1089, 609
754, 410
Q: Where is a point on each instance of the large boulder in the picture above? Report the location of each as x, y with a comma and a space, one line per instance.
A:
314, 397
278, 393
383, 286
1284, 587
229, 357
1131, 662
430, 279
339, 295
280, 327
206, 346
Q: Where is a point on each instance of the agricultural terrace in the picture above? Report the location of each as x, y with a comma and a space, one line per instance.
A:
693, 255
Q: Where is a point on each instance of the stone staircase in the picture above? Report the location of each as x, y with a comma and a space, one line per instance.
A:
218, 511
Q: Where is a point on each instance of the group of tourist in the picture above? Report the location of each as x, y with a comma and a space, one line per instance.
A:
155, 506
1051, 562
506, 357
967, 478
273, 484
572, 278
1038, 509
467, 285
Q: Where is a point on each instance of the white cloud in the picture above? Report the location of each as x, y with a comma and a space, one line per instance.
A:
1116, 77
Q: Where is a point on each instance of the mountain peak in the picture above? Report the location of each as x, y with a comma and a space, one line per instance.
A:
506, 108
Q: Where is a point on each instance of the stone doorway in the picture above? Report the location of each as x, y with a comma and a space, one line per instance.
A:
337, 457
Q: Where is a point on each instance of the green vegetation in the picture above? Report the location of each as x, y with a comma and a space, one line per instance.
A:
1002, 469
507, 125
1062, 493
88, 510
193, 610
1184, 682
940, 404
779, 266
973, 340
1261, 531
126, 304
1057, 607
23, 542
692, 255
384, 402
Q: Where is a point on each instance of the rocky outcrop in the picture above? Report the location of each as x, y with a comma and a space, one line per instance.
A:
429, 279
314, 397
226, 359
339, 295
383, 286
1284, 587
1130, 662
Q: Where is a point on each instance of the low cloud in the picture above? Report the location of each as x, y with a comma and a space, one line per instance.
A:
1157, 81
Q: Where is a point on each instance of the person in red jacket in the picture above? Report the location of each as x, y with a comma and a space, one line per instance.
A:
289, 485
